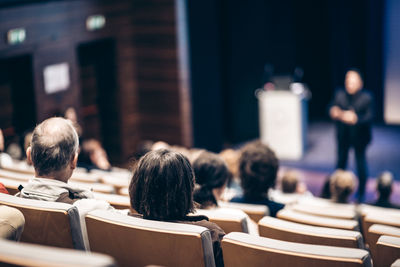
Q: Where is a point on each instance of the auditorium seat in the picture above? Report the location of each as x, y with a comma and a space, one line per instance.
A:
117, 201
388, 219
116, 182
139, 242
48, 223
376, 231
388, 250
123, 191
255, 212
20, 167
375, 212
95, 187
23, 254
331, 212
15, 175
84, 177
12, 223
301, 233
240, 249
25, 173
327, 203
230, 220
396, 263
294, 216
364, 209
12, 185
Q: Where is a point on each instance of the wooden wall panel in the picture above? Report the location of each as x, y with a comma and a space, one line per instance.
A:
148, 83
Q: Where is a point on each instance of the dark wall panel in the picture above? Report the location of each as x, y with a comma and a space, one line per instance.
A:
140, 67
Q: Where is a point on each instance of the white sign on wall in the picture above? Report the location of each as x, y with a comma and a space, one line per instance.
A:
56, 78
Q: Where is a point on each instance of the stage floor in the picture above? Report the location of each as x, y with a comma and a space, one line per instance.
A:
320, 157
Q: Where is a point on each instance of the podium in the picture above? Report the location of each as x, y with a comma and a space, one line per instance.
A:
283, 122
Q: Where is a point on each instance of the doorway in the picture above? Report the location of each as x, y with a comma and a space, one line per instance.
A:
99, 105
17, 98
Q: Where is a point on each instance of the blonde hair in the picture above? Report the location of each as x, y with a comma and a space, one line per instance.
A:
289, 181
342, 184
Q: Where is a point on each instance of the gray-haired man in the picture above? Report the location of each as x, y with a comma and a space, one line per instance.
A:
54, 155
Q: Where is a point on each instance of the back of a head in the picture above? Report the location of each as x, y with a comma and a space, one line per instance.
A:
342, 185
162, 186
53, 145
258, 167
211, 172
289, 181
384, 185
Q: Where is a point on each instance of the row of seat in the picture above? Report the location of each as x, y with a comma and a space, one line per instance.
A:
138, 242
110, 233
302, 222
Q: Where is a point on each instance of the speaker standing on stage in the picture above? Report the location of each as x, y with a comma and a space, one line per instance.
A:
353, 113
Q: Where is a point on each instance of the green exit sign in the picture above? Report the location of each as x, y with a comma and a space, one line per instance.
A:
95, 22
16, 36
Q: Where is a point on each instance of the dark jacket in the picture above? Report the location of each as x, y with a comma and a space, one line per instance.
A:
361, 102
273, 206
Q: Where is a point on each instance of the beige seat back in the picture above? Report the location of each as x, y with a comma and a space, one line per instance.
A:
15, 175
388, 218
115, 181
396, 263
301, 233
23, 254
331, 212
327, 203
241, 249
364, 210
95, 187
230, 220
48, 223
117, 201
255, 212
388, 250
294, 216
20, 167
139, 242
376, 231
12, 185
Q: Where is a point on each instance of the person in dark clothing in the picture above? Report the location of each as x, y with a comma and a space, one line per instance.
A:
352, 109
162, 189
212, 175
258, 167
384, 186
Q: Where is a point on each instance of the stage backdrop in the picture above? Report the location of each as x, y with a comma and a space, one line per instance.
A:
392, 62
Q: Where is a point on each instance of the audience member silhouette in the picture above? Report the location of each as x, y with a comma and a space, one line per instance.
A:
212, 175
258, 167
384, 187
342, 184
290, 182
54, 154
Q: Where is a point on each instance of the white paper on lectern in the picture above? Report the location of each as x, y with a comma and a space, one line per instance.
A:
56, 78
281, 123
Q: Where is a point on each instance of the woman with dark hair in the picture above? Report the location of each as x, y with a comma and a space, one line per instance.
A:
212, 175
162, 189
258, 167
